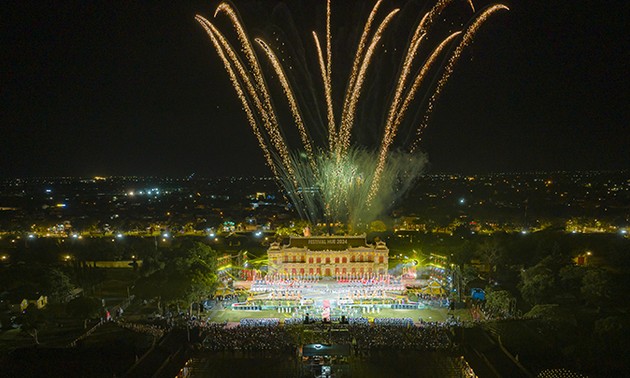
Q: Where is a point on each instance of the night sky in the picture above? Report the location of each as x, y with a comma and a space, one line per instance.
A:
136, 88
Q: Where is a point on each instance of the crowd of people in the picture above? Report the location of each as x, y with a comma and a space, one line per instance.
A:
394, 322
278, 284
221, 301
148, 329
262, 322
360, 321
429, 337
347, 289
293, 321
268, 335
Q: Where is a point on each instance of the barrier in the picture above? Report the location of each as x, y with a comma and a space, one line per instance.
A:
404, 307
247, 308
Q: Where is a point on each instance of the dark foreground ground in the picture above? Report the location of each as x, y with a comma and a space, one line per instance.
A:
377, 365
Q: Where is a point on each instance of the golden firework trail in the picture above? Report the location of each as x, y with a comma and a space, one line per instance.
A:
258, 92
344, 135
340, 178
355, 65
332, 134
397, 116
448, 69
293, 105
241, 95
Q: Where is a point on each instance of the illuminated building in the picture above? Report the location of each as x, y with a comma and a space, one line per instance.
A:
329, 256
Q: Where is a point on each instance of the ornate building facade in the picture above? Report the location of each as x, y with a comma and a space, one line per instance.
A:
330, 256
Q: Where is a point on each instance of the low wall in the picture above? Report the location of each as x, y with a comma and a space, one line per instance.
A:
114, 264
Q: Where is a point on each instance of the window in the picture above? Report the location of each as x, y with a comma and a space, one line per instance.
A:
327, 260
380, 260
344, 260
319, 260
336, 260
310, 260
352, 259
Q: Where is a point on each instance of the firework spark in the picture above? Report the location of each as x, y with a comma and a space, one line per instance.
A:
339, 181
448, 69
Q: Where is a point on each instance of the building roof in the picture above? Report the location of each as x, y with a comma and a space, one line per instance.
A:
327, 243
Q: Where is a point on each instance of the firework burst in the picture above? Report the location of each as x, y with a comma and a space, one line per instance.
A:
336, 181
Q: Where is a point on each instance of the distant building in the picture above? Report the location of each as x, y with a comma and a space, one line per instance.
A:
18, 300
328, 256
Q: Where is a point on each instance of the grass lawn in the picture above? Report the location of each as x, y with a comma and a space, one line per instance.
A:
116, 282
